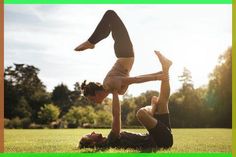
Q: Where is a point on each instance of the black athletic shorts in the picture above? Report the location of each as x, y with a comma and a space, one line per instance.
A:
162, 132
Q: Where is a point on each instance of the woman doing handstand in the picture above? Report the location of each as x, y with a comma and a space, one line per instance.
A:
117, 80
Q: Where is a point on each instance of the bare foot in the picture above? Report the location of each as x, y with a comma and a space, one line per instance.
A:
84, 46
166, 63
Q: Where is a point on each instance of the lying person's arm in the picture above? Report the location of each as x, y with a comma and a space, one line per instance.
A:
116, 124
113, 137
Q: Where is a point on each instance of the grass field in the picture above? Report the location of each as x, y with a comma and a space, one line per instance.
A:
65, 140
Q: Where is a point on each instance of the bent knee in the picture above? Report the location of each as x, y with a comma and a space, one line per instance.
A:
140, 113
154, 100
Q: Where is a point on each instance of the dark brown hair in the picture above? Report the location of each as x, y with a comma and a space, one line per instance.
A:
91, 88
89, 143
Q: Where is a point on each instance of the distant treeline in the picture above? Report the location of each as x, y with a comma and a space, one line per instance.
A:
29, 105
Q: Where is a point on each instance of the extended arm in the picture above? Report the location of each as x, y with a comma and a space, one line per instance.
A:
116, 124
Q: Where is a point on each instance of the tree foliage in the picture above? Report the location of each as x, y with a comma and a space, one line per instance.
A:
220, 90
24, 91
78, 116
48, 113
103, 118
61, 97
25, 97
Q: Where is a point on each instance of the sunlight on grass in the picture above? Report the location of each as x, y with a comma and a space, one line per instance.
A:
66, 140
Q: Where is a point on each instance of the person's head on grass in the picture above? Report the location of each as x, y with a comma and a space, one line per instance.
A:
94, 91
92, 140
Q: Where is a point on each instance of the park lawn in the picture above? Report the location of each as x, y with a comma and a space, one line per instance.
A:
66, 140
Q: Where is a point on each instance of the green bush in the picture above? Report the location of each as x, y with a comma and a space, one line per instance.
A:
35, 126
16, 123
132, 120
77, 116
103, 118
48, 113
7, 123
26, 123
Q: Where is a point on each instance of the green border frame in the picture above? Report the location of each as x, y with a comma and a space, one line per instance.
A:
233, 2
233, 79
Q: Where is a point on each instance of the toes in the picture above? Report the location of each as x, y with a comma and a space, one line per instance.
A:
157, 52
76, 49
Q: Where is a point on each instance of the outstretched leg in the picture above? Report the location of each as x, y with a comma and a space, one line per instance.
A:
156, 117
110, 22
159, 104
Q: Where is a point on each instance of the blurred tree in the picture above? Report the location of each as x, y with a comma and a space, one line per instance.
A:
186, 78
144, 99
103, 118
131, 105
48, 113
75, 94
23, 89
205, 112
176, 109
132, 119
220, 90
127, 106
22, 108
77, 116
61, 98
10, 99
105, 105
16, 123
185, 105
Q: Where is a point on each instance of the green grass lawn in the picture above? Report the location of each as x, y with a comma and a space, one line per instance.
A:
65, 140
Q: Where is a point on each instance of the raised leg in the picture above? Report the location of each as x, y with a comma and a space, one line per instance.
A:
110, 22
142, 78
162, 103
159, 104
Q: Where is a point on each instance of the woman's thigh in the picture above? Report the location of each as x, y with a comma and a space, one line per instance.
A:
148, 109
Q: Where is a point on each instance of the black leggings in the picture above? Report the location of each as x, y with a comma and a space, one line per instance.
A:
112, 23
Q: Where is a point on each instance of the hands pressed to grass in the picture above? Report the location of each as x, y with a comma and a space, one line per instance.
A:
155, 117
